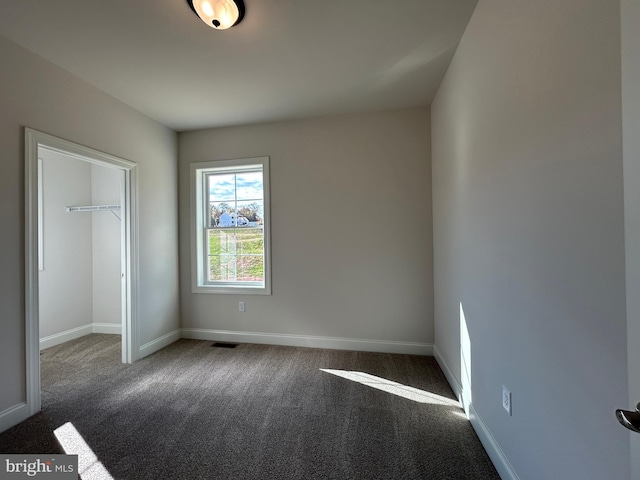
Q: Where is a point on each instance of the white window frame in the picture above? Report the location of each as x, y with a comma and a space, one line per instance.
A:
199, 254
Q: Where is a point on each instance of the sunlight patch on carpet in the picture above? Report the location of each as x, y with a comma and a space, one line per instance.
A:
89, 467
410, 393
460, 414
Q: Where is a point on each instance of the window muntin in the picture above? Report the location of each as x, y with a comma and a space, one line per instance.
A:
232, 226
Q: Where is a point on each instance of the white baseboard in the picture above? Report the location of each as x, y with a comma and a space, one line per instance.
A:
497, 456
159, 343
336, 343
110, 328
13, 415
453, 382
62, 337
72, 334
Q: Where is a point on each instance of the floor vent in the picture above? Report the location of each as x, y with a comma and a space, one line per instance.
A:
224, 345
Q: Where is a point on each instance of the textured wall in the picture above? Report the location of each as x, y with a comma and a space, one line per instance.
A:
66, 283
529, 232
34, 93
106, 232
351, 227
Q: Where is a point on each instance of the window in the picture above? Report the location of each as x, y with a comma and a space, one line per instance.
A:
231, 223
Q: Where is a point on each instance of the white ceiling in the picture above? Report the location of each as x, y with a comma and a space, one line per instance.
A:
287, 59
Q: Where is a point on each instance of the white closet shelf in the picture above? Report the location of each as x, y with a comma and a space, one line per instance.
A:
93, 208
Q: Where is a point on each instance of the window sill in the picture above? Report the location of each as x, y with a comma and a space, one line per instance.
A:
227, 290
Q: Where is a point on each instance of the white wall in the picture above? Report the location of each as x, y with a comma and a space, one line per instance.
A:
529, 233
80, 286
35, 93
65, 284
351, 229
106, 258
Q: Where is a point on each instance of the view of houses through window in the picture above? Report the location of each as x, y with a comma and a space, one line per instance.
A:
235, 230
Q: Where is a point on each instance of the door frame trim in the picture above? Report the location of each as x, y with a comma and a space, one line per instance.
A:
35, 140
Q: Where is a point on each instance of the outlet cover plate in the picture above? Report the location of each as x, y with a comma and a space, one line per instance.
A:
506, 399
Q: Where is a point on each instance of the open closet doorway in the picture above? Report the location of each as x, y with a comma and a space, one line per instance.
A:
80, 249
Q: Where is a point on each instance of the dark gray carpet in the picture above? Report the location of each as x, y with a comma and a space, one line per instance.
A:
192, 411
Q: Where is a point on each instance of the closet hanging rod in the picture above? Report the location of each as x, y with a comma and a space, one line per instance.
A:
93, 208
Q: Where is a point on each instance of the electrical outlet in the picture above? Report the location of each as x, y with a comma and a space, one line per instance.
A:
506, 399
241, 306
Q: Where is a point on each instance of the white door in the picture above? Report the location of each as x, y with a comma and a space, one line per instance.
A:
630, 17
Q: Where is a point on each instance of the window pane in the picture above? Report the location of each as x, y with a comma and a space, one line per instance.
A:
236, 254
250, 213
222, 268
249, 241
250, 268
231, 268
222, 187
249, 186
222, 242
222, 214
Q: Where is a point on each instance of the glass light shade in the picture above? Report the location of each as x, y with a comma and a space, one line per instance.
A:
218, 14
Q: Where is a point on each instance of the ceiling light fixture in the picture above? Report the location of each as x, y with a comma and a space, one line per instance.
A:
218, 14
